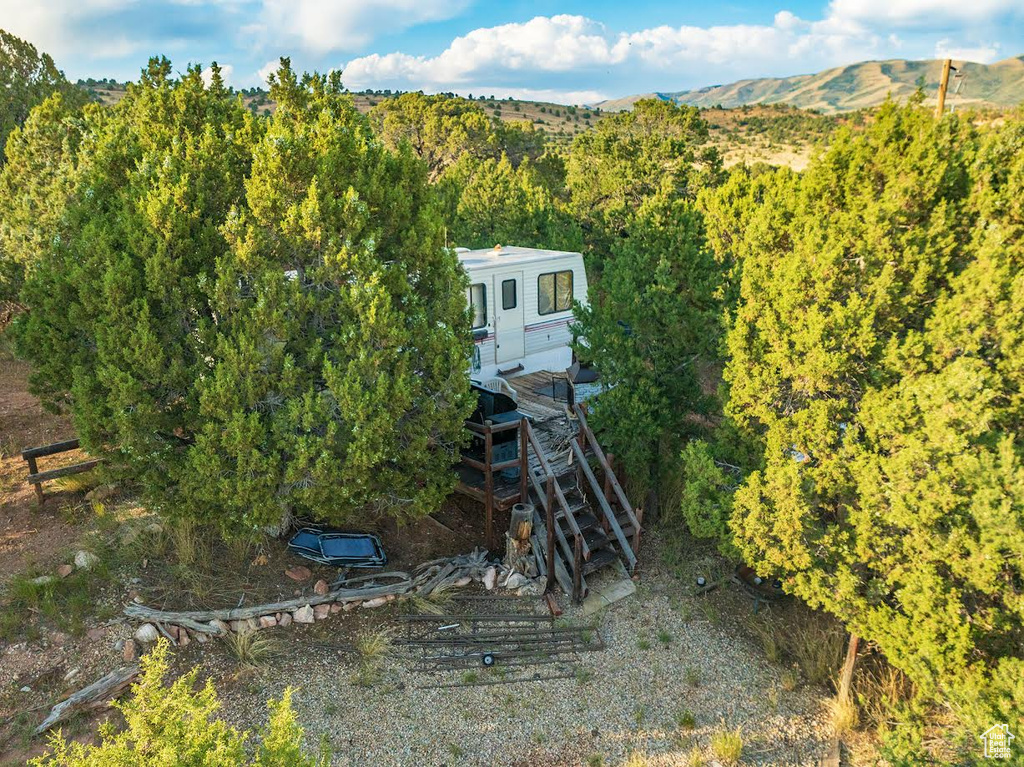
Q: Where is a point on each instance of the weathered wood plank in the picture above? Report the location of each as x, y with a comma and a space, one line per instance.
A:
46, 476
53, 449
98, 694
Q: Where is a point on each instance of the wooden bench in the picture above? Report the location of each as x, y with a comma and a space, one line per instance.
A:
37, 478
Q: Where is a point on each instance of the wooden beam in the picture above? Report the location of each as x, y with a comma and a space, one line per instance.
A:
489, 488
46, 476
620, 494
603, 502
45, 450
940, 107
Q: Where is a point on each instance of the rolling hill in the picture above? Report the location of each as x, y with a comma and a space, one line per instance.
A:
856, 86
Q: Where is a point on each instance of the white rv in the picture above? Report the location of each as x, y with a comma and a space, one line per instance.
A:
522, 299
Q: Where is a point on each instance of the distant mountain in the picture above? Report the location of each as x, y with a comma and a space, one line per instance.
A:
858, 85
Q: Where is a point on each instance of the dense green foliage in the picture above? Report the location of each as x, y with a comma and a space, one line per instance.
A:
172, 725
653, 317
873, 361
27, 78
254, 317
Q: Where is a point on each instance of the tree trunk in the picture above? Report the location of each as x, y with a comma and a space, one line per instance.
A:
846, 678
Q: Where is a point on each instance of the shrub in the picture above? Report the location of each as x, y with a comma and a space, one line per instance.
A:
175, 724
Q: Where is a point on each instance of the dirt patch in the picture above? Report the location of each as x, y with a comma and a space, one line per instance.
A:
30, 534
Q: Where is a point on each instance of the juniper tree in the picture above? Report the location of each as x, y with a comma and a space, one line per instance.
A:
258, 319
651, 325
872, 359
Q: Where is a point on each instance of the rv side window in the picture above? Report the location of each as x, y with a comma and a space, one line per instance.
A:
554, 292
477, 295
508, 294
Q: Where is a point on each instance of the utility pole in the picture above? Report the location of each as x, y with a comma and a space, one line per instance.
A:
943, 85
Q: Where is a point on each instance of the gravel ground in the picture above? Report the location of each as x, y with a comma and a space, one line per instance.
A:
663, 656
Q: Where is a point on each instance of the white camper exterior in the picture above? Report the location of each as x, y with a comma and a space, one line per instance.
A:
522, 299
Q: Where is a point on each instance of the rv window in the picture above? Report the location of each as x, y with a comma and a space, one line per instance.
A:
477, 296
554, 292
508, 294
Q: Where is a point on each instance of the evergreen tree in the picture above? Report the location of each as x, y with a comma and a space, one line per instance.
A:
651, 326
492, 202
871, 359
653, 150
257, 318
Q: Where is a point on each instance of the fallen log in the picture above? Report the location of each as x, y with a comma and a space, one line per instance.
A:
197, 618
429, 576
97, 695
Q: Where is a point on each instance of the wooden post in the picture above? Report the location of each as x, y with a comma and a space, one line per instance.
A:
940, 107
524, 463
846, 678
489, 486
549, 509
577, 570
34, 469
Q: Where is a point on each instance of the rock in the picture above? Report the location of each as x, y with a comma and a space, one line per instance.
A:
303, 615
184, 640
85, 559
299, 573
65, 570
284, 620
101, 493
277, 617
174, 631
43, 580
490, 577
348, 606
464, 581
268, 622
335, 608
119, 645
221, 626
515, 580
154, 528
146, 634
26, 688
202, 637
320, 588
321, 611
532, 588
246, 626
72, 674
129, 652
376, 602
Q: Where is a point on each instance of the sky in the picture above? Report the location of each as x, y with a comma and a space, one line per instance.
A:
573, 51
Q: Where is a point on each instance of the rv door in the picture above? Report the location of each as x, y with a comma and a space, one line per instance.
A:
509, 332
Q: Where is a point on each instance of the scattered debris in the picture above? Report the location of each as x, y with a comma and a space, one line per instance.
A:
96, 695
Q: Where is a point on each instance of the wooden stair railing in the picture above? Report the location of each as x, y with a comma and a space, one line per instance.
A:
634, 517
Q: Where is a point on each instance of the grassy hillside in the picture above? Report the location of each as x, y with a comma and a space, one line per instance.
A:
861, 85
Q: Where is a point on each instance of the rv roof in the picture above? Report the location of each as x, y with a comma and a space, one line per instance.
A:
507, 254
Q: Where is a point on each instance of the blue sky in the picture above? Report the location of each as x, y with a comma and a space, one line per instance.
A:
572, 51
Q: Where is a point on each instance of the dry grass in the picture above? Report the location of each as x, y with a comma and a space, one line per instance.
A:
844, 715
727, 746
252, 650
435, 603
813, 641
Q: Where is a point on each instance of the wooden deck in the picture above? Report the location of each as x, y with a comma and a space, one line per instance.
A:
551, 424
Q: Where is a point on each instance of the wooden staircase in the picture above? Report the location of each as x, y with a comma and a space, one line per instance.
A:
582, 519
581, 523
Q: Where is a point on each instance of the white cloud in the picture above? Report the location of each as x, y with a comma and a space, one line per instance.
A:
50, 26
984, 54
267, 69
324, 26
564, 44
226, 70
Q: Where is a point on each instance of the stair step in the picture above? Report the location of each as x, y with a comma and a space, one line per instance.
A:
598, 560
